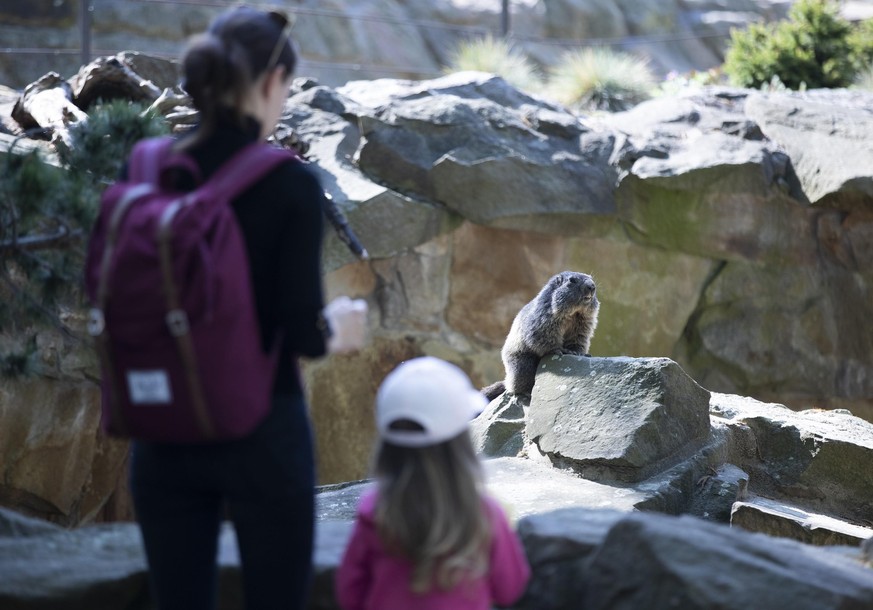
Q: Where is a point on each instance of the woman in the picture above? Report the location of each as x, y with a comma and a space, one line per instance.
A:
238, 74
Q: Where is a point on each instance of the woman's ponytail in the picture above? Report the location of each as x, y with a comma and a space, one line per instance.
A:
221, 65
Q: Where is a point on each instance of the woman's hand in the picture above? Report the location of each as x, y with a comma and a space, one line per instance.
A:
348, 324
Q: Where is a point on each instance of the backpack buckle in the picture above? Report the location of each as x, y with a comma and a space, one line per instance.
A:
96, 322
177, 322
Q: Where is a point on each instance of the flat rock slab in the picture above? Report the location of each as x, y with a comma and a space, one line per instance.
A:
817, 460
657, 562
524, 486
779, 519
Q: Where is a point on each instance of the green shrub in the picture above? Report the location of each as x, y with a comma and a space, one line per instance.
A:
46, 213
861, 41
813, 48
496, 56
600, 79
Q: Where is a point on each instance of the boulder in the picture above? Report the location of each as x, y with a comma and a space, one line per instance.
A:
824, 134
92, 567
616, 419
680, 156
657, 561
386, 221
752, 320
487, 151
559, 545
816, 460
779, 519
46, 105
499, 429
54, 461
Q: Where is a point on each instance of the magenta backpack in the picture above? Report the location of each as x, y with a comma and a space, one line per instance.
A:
173, 315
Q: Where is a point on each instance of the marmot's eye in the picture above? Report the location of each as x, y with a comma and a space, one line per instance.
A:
573, 280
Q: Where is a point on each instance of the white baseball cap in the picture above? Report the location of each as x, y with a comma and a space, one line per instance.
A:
432, 393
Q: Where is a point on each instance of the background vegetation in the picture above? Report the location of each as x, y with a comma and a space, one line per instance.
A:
813, 48
46, 213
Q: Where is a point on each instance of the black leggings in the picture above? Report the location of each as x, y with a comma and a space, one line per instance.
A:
265, 482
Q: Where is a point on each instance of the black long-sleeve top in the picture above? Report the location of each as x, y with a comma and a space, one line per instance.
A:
282, 220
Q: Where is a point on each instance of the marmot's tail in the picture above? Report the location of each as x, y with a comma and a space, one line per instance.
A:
494, 390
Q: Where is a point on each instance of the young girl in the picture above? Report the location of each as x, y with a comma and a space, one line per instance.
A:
427, 537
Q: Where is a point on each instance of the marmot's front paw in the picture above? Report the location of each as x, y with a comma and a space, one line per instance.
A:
560, 352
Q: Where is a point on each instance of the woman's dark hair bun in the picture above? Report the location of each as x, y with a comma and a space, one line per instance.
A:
205, 68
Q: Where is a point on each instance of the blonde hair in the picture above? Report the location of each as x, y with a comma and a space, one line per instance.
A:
430, 510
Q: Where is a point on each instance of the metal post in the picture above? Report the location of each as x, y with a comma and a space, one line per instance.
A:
85, 10
504, 18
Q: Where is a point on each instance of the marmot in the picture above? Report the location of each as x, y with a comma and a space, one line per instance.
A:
560, 320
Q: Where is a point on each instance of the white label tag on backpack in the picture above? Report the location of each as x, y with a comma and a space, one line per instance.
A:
149, 387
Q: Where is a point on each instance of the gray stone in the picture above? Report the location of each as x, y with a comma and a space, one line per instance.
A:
619, 419
752, 320
464, 141
386, 221
523, 487
816, 460
779, 519
16, 525
681, 154
499, 429
656, 561
825, 134
559, 545
83, 569
717, 492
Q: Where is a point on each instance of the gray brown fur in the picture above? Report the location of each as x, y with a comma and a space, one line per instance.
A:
560, 320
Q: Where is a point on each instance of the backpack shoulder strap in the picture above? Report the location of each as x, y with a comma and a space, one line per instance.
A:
246, 167
151, 157
145, 159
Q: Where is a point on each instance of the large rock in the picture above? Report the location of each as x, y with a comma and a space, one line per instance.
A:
647, 295
616, 418
752, 320
779, 519
386, 221
700, 179
816, 459
93, 567
580, 557
54, 461
825, 134
655, 561
499, 430
470, 140
559, 545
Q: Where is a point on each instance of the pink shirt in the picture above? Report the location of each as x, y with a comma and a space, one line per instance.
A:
369, 578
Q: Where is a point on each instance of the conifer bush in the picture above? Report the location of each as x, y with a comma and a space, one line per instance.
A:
46, 214
813, 48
